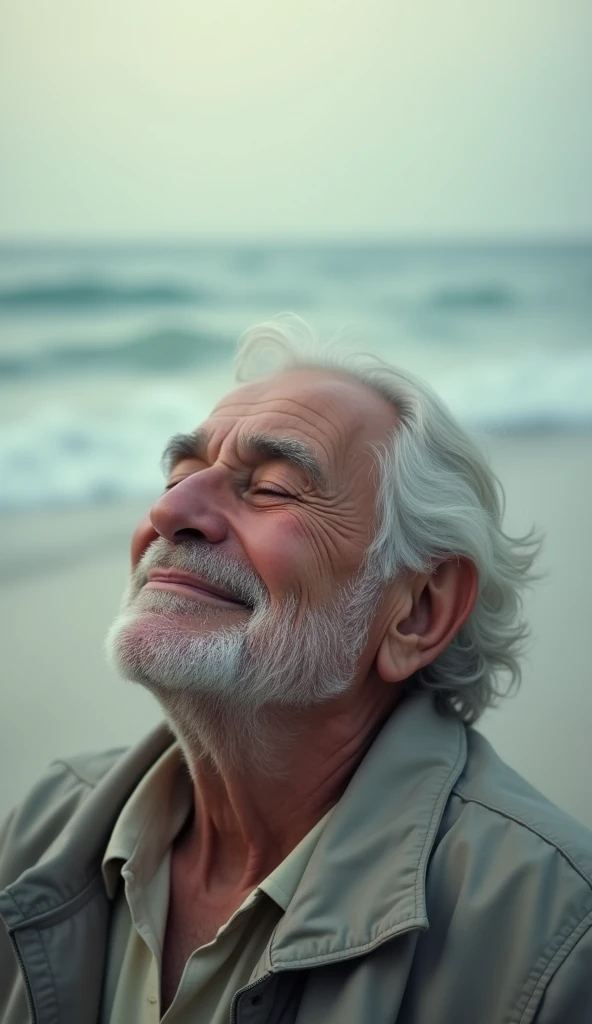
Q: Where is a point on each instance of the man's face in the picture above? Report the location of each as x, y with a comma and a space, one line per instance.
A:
250, 554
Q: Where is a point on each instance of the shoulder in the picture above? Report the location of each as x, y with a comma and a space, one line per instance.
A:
47, 808
499, 836
89, 768
493, 794
509, 886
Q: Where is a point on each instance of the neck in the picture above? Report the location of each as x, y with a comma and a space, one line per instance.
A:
247, 818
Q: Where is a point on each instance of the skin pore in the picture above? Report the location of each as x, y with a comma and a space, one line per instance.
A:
304, 538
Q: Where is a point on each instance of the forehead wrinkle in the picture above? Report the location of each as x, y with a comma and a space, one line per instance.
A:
337, 432
298, 420
303, 412
314, 417
342, 428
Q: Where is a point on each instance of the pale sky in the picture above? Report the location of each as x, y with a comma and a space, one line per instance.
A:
249, 119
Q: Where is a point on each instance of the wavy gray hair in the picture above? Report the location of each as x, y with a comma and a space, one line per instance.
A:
437, 498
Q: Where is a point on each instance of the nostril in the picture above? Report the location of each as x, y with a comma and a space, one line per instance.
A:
189, 534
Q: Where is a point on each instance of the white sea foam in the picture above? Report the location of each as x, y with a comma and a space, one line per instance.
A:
64, 455
105, 352
80, 452
539, 390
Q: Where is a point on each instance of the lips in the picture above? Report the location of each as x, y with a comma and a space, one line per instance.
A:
200, 589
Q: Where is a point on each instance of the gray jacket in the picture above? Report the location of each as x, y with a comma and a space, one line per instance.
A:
444, 890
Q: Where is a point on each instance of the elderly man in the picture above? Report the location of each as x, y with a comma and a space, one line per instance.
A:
320, 601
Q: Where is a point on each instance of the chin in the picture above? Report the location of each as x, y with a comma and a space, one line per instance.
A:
132, 641
168, 652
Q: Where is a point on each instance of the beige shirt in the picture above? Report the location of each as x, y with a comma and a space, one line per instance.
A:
136, 869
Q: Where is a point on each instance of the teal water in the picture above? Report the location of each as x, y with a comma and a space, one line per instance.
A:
106, 349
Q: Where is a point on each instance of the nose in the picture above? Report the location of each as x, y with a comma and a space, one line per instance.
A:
193, 509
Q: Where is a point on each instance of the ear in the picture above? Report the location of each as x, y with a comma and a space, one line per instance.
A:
427, 612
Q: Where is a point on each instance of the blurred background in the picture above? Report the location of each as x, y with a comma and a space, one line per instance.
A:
414, 178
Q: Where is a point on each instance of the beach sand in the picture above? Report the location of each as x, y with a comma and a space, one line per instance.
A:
63, 573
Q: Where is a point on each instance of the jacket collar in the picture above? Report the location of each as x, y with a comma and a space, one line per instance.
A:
365, 881
70, 868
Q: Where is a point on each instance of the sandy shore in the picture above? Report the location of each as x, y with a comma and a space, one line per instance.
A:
62, 575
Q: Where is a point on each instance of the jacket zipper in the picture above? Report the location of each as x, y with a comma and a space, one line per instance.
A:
28, 990
265, 977
241, 992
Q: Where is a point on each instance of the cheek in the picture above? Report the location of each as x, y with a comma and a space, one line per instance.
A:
278, 550
284, 553
142, 537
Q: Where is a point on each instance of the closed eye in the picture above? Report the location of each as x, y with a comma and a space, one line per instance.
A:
272, 493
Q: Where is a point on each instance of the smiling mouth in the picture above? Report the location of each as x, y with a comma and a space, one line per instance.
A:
192, 587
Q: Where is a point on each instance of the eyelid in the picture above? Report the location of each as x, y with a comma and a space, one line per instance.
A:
258, 489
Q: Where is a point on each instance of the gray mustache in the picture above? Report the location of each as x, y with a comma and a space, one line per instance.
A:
238, 579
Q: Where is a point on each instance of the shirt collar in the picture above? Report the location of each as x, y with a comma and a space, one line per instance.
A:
155, 813
149, 821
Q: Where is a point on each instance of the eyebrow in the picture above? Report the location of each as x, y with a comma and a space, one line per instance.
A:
257, 446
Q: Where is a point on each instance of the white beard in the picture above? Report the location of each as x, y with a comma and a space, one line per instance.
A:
222, 688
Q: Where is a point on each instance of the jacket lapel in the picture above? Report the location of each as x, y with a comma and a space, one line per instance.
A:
365, 881
57, 912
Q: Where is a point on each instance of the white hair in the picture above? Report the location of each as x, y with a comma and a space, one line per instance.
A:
438, 498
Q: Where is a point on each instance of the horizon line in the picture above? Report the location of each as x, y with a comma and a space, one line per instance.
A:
295, 241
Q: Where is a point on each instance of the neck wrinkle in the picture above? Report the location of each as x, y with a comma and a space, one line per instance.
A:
245, 825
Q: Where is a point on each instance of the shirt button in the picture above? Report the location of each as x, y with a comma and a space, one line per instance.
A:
152, 999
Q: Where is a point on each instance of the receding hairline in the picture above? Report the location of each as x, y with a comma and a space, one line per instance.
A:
337, 375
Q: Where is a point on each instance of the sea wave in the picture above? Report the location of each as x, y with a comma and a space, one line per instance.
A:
63, 455
478, 297
94, 294
531, 391
167, 349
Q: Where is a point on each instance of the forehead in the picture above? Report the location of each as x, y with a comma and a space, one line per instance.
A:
336, 413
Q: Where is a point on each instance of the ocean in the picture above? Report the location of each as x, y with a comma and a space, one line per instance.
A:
105, 351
